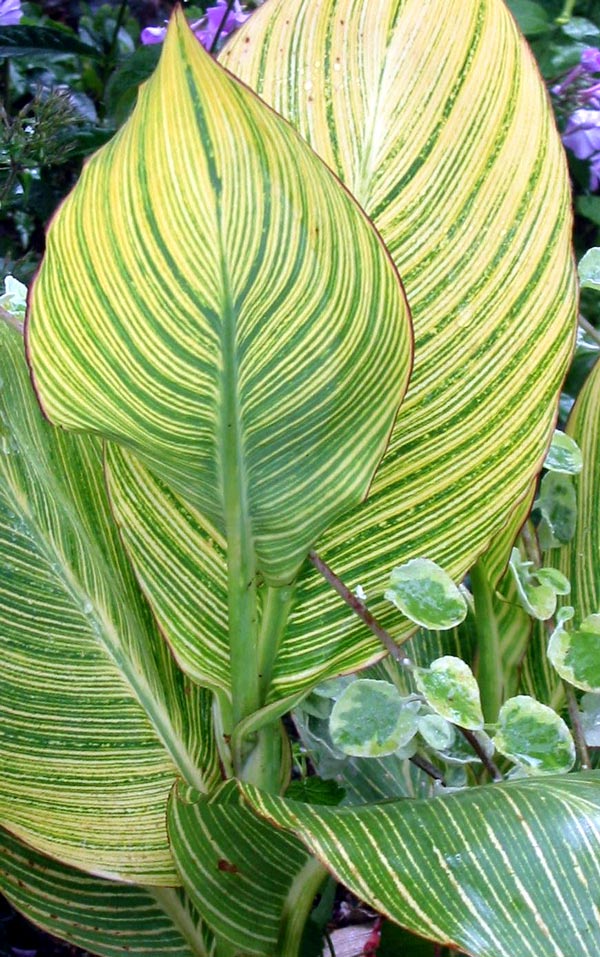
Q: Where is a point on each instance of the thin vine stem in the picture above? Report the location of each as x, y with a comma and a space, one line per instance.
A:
578, 734
591, 330
403, 660
490, 766
361, 610
221, 27
428, 768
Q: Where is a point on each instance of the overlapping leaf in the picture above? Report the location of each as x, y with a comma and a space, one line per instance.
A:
94, 724
106, 918
229, 313
495, 871
465, 181
245, 876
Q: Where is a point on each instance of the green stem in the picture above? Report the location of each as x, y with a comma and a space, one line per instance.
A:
5, 96
275, 613
110, 56
567, 12
168, 899
489, 673
261, 764
255, 760
241, 561
297, 907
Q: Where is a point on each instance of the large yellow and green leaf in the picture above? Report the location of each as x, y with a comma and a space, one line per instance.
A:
95, 720
466, 183
104, 917
465, 180
498, 871
247, 878
213, 300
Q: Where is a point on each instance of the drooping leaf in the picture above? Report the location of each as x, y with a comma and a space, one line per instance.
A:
488, 870
534, 736
533, 18
451, 690
242, 873
397, 100
564, 455
94, 729
105, 917
370, 719
426, 594
261, 377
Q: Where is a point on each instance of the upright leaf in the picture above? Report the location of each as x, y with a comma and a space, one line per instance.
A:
579, 560
230, 315
495, 871
465, 180
94, 726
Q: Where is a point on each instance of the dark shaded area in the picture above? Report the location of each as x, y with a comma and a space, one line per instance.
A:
19, 938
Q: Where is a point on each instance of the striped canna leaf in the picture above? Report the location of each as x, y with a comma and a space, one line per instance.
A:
465, 181
494, 871
253, 884
105, 917
230, 315
579, 560
93, 712
467, 186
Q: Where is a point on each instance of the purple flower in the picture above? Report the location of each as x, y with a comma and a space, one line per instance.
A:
206, 29
595, 172
153, 35
590, 60
10, 12
582, 133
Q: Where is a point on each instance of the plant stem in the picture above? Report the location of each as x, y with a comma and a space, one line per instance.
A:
298, 905
489, 672
591, 330
567, 12
532, 548
276, 609
358, 608
5, 88
428, 768
494, 771
221, 26
578, 735
170, 902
